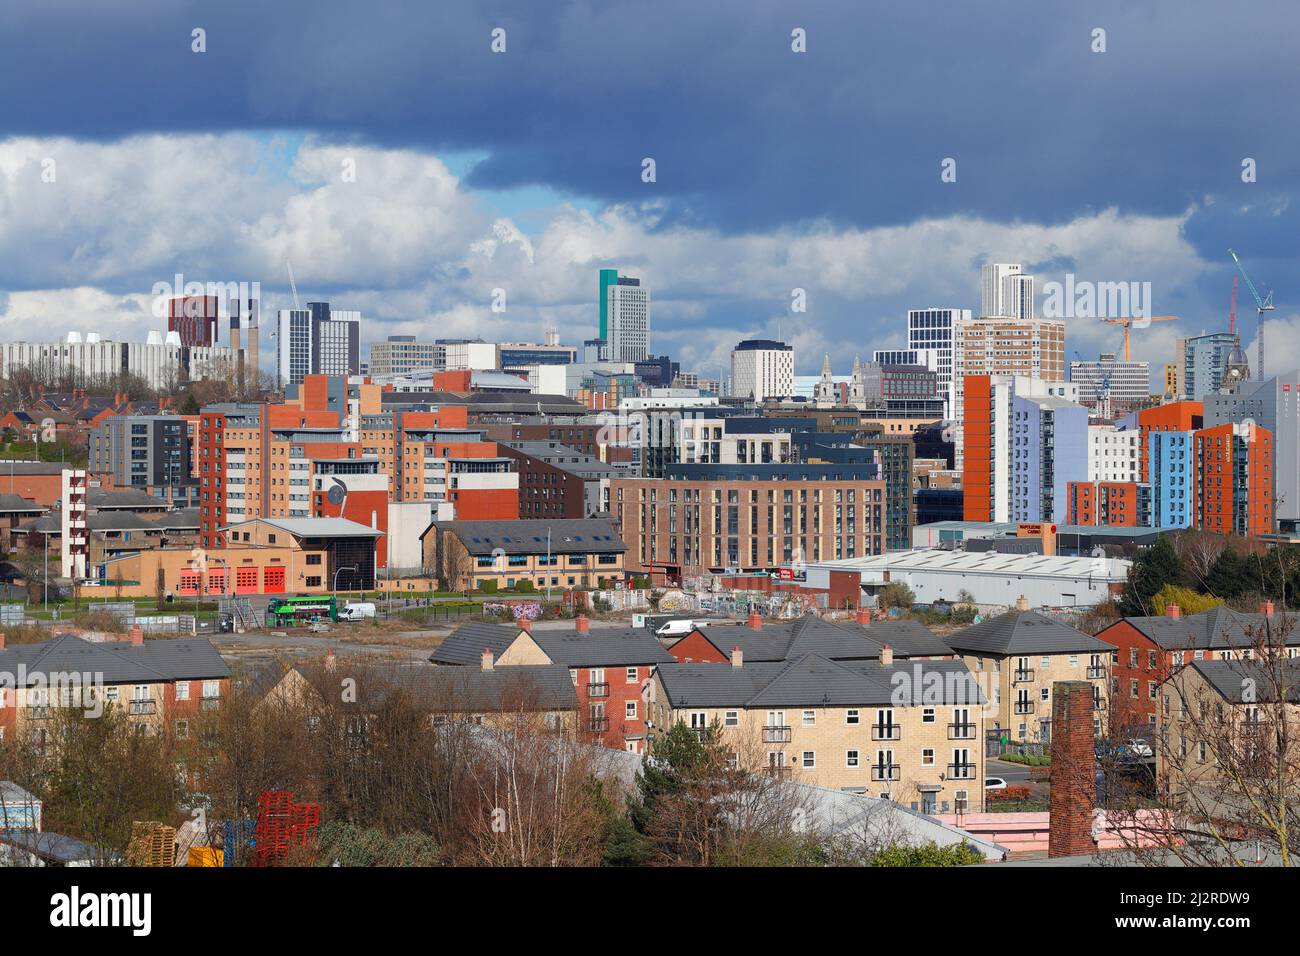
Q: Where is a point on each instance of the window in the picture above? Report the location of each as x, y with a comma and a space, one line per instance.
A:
809, 759
1044, 694
851, 759
631, 675
182, 690
851, 717
927, 757
732, 718
211, 689
629, 709
810, 718
182, 730
927, 715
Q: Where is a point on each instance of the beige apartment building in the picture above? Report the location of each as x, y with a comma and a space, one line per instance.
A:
1018, 656
682, 526
911, 731
1220, 720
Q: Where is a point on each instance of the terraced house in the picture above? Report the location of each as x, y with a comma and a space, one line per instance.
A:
162, 685
909, 731
1017, 656
1150, 649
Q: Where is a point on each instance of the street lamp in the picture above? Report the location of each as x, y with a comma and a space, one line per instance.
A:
351, 567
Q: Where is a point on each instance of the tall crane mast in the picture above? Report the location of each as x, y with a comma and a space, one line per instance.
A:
1261, 306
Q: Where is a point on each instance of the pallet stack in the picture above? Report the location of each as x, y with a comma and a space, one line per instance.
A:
282, 824
152, 844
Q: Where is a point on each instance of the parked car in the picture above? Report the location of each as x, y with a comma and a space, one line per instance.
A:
1139, 747
994, 783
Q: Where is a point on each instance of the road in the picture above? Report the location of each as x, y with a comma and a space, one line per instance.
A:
1010, 772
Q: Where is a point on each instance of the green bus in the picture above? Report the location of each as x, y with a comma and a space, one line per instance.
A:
298, 611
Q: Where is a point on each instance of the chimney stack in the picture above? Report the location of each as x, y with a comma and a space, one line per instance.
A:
525, 624
2, 641
737, 656
886, 656
1074, 780
755, 620
581, 624
488, 660
1022, 603
137, 635
1266, 609
863, 616
1174, 611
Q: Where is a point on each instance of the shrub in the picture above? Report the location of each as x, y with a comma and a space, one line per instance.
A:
931, 854
488, 587
1011, 792
896, 594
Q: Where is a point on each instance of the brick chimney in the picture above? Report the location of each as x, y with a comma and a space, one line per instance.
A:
488, 659
755, 620
1174, 611
886, 656
1022, 603
1074, 783
737, 656
525, 624
137, 635
1266, 609
2, 641
581, 624
863, 616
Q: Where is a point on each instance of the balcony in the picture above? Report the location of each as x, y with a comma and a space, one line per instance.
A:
38, 712
1024, 707
598, 725
142, 707
1096, 673
884, 772
886, 731
209, 703
776, 735
961, 731
598, 690
781, 772
1025, 676
961, 771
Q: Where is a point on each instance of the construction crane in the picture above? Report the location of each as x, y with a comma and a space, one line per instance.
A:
293, 286
1261, 306
1128, 320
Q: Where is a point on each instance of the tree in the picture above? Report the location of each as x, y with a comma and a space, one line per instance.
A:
1226, 577
895, 594
1152, 569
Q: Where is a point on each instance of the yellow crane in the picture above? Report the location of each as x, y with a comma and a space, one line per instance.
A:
1128, 320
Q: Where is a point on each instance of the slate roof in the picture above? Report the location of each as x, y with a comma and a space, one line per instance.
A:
834, 640
469, 689
1216, 629
814, 681
601, 647
120, 662
1230, 678
1024, 632
106, 498
464, 646
568, 536
11, 504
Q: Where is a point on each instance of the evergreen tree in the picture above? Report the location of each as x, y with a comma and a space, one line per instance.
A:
1152, 569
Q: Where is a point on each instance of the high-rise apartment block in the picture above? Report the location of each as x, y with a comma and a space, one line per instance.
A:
317, 340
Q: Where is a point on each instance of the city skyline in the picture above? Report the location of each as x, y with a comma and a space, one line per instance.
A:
226, 182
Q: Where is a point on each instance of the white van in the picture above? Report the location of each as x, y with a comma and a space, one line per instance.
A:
356, 612
675, 629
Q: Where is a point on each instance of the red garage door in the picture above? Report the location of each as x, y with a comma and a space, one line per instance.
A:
246, 580
273, 580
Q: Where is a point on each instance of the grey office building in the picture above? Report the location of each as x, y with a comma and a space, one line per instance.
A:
1273, 404
145, 451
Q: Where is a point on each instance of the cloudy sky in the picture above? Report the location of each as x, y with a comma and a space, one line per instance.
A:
407, 170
